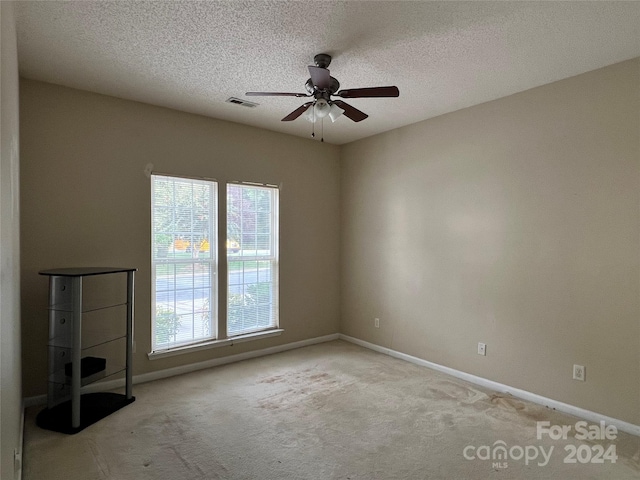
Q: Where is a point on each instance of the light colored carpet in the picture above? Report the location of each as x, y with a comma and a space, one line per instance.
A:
329, 411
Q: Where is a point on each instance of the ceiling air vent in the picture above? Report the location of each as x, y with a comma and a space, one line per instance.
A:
244, 103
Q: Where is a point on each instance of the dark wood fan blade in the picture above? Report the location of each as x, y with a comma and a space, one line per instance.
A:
320, 77
275, 94
351, 112
369, 92
297, 112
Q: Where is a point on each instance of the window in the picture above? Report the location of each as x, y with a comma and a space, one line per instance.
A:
184, 216
252, 258
184, 261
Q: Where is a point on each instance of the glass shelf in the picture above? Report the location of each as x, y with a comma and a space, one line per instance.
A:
68, 307
112, 353
63, 342
61, 378
99, 326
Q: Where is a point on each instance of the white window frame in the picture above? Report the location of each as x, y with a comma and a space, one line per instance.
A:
272, 257
219, 288
210, 263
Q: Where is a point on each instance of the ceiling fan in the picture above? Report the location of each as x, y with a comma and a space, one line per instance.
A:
321, 86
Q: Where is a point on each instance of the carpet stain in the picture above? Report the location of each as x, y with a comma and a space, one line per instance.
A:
506, 402
295, 376
445, 390
274, 379
301, 386
511, 410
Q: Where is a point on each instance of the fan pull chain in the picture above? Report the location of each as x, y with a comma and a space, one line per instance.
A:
313, 123
322, 129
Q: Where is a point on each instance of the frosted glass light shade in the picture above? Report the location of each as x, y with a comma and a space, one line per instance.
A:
335, 112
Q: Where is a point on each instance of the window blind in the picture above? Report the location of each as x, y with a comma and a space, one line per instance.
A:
252, 258
184, 261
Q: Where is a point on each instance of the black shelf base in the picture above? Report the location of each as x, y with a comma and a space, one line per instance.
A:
93, 407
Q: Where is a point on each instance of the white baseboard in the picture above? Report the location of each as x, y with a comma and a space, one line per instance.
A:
192, 367
499, 387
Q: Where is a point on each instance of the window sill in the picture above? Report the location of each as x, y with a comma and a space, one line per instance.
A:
215, 344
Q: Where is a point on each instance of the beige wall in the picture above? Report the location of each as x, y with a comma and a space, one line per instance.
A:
85, 201
515, 223
10, 365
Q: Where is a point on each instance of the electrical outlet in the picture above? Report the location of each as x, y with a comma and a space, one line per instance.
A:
482, 349
376, 322
579, 373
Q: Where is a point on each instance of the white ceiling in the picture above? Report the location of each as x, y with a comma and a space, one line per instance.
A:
443, 56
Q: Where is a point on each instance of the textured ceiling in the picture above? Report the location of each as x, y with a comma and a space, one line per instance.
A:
443, 56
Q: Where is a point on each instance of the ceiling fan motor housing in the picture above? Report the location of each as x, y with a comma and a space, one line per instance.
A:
322, 60
333, 87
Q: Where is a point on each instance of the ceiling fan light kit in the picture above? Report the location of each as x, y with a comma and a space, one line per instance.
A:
321, 86
318, 111
321, 108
